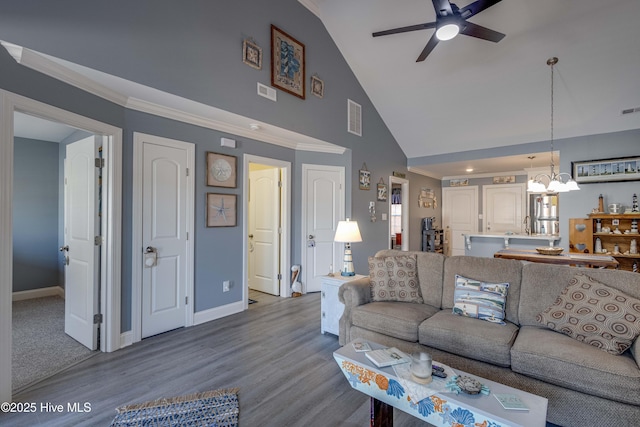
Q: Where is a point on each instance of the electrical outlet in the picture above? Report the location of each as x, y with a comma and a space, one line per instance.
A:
225, 286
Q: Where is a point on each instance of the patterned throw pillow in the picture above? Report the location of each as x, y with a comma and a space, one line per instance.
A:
594, 313
480, 300
394, 278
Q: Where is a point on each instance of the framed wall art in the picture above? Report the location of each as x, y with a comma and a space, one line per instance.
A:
364, 178
317, 86
606, 170
382, 191
287, 63
252, 53
221, 170
221, 210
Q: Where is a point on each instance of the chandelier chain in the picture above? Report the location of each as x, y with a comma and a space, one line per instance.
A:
552, 165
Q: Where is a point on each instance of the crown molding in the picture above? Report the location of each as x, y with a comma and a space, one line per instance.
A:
199, 114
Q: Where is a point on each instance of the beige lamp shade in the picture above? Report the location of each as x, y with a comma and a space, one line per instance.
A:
347, 232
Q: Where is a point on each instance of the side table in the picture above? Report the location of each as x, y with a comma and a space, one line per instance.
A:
331, 308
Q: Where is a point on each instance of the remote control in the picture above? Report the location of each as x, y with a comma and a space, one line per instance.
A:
437, 373
437, 368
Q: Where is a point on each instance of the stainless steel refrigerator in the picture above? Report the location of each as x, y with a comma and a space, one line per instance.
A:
544, 212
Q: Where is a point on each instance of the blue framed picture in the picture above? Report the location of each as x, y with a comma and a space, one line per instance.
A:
287, 63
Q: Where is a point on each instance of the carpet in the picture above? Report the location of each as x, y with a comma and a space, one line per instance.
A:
40, 346
210, 408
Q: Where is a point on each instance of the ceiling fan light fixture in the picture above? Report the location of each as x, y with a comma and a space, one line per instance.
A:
447, 31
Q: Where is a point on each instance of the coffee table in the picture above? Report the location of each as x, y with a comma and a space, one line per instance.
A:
441, 409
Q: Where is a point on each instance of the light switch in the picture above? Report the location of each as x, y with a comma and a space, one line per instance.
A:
384, 216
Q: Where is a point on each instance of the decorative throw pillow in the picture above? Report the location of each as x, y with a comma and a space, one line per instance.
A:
480, 300
594, 313
394, 278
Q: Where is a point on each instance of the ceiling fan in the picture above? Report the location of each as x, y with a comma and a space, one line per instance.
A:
451, 20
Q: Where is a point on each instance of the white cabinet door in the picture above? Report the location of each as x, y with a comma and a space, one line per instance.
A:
503, 207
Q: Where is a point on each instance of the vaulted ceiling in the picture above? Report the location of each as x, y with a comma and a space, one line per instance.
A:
472, 94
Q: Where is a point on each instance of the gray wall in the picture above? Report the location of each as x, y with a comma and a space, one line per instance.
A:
35, 214
194, 50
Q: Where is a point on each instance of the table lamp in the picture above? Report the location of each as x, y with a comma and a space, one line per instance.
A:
347, 232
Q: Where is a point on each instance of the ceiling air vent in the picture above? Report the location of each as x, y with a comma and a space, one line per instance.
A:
354, 118
267, 92
631, 110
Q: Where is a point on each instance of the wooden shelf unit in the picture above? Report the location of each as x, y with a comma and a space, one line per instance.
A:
609, 240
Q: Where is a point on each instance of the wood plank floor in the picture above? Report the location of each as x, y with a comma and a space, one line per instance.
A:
274, 352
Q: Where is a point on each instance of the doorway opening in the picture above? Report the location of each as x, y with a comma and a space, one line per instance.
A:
399, 214
266, 226
109, 239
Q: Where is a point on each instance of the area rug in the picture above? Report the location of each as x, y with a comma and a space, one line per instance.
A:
210, 408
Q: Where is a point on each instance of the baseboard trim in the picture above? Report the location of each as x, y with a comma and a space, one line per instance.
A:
51, 291
126, 339
217, 312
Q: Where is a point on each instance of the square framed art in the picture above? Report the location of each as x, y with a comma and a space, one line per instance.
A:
221, 210
221, 170
287, 63
252, 54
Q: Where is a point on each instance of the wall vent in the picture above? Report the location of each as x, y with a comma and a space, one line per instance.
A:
631, 110
267, 92
354, 118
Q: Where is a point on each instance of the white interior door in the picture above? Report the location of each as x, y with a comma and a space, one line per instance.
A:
503, 207
323, 207
164, 232
81, 226
264, 224
459, 215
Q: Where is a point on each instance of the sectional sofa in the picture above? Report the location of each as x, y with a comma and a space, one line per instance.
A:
585, 385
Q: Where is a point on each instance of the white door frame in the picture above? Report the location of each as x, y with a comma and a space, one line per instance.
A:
446, 215
337, 262
285, 224
111, 222
136, 241
405, 211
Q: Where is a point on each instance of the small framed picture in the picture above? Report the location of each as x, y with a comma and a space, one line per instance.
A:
252, 54
221, 210
221, 170
382, 192
317, 86
365, 179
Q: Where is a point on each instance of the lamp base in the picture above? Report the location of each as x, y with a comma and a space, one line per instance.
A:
348, 273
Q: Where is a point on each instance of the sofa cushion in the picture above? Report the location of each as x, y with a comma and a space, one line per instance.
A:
397, 319
490, 270
558, 359
480, 300
469, 338
541, 284
430, 270
595, 313
394, 279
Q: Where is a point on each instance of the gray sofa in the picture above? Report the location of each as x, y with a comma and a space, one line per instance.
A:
585, 386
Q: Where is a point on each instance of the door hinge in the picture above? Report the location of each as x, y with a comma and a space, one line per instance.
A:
97, 240
97, 319
279, 276
99, 162
187, 171
280, 184
186, 300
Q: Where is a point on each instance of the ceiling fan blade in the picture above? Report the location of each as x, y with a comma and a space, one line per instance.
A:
433, 41
424, 26
480, 32
477, 7
442, 7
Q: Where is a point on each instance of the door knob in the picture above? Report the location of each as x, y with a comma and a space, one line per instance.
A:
150, 249
251, 236
64, 248
311, 236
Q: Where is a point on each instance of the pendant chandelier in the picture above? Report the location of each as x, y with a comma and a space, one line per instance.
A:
557, 182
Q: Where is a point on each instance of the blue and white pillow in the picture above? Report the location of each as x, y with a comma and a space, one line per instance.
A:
480, 300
